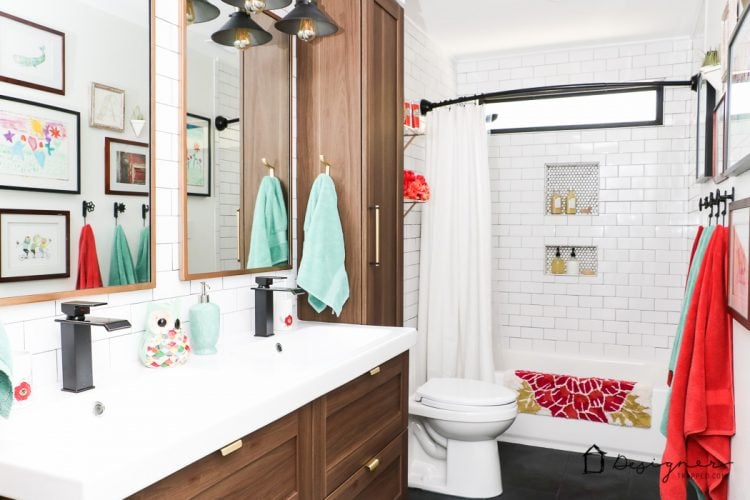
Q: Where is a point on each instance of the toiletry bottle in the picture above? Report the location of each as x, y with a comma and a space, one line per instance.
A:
570, 203
204, 324
555, 203
558, 265
573, 266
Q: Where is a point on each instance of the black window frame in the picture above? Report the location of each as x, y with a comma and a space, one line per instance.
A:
578, 92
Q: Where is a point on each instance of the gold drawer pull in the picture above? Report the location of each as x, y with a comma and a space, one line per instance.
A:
373, 464
228, 450
374, 371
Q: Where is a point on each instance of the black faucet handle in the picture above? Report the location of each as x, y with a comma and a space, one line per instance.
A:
267, 281
78, 309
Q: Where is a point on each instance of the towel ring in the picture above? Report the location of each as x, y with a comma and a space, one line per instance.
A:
271, 168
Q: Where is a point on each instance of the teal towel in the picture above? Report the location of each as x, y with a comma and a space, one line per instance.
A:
322, 273
6, 365
700, 252
121, 270
143, 263
269, 245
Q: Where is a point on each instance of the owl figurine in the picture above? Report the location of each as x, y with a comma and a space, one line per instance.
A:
164, 344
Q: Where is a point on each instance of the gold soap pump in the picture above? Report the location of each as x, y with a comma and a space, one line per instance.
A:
558, 265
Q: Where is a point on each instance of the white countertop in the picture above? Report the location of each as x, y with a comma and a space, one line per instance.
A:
158, 421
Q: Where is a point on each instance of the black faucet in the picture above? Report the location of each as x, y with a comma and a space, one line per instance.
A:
264, 303
75, 330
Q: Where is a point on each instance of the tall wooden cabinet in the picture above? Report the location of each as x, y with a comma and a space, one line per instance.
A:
350, 109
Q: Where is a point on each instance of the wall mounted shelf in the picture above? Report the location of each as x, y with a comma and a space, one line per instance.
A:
412, 204
411, 134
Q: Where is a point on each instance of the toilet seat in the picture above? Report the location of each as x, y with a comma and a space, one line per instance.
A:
463, 394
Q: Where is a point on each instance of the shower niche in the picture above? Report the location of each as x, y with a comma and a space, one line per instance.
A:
580, 178
587, 256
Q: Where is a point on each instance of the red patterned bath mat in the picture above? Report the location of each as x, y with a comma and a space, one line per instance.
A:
615, 402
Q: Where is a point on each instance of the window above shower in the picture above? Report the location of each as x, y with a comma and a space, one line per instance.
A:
577, 109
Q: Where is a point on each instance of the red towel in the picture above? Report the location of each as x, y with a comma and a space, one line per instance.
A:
89, 275
701, 414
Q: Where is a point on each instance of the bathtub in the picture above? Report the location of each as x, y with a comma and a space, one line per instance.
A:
579, 435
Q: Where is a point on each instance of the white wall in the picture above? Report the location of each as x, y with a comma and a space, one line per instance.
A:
428, 74
631, 308
95, 52
31, 326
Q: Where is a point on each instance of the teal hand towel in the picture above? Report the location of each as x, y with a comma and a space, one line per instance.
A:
143, 262
322, 273
121, 270
269, 245
6, 365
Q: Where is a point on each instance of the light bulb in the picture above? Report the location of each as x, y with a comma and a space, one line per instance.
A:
190, 11
242, 39
255, 5
307, 31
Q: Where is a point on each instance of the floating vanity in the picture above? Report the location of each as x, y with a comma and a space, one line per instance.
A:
317, 412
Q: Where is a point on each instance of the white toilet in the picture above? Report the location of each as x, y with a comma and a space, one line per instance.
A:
453, 429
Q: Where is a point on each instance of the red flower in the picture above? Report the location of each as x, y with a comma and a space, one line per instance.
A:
288, 320
22, 391
415, 186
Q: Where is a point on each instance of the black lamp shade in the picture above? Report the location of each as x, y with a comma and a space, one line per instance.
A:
270, 4
241, 26
306, 10
200, 11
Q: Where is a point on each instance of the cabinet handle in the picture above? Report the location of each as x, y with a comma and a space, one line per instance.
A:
374, 371
377, 236
237, 224
373, 464
228, 450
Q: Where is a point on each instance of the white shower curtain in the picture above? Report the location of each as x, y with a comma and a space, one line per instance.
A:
455, 287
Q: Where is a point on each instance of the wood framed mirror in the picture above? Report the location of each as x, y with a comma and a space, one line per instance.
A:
236, 134
76, 100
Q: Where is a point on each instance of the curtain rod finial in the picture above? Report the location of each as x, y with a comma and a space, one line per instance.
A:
425, 106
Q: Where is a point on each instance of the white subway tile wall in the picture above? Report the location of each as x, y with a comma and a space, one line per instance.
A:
31, 326
428, 74
631, 308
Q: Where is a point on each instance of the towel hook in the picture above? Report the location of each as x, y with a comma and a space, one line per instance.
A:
325, 165
119, 208
144, 211
271, 168
87, 206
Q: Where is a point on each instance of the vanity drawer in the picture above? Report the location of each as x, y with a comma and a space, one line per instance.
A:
382, 477
362, 417
272, 463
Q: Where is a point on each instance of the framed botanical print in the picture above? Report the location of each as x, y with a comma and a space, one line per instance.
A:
198, 160
31, 55
107, 107
719, 142
739, 261
126, 167
705, 131
39, 147
738, 100
34, 245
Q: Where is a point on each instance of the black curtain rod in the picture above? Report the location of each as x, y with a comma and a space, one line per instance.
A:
537, 92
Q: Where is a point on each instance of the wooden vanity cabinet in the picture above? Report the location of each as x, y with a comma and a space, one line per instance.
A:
349, 443
350, 109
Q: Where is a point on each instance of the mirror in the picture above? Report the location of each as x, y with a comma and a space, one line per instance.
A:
237, 152
75, 104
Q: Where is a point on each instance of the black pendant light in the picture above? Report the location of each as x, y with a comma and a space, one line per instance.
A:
307, 22
258, 5
200, 11
241, 32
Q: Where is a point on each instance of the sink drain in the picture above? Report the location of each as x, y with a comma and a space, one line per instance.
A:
99, 408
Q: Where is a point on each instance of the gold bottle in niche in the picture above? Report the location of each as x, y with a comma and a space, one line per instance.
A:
555, 203
570, 202
558, 265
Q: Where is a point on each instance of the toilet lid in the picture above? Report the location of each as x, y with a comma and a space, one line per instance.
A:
464, 392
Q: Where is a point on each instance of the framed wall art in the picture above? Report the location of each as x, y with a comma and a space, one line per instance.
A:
738, 100
39, 147
107, 107
31, 55
739, 261
34, 245
198, 159
126, 167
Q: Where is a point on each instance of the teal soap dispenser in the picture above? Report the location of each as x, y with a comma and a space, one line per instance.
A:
204, 324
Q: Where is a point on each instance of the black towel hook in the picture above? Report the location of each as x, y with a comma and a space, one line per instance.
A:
144, 211
119, 208
86, 207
